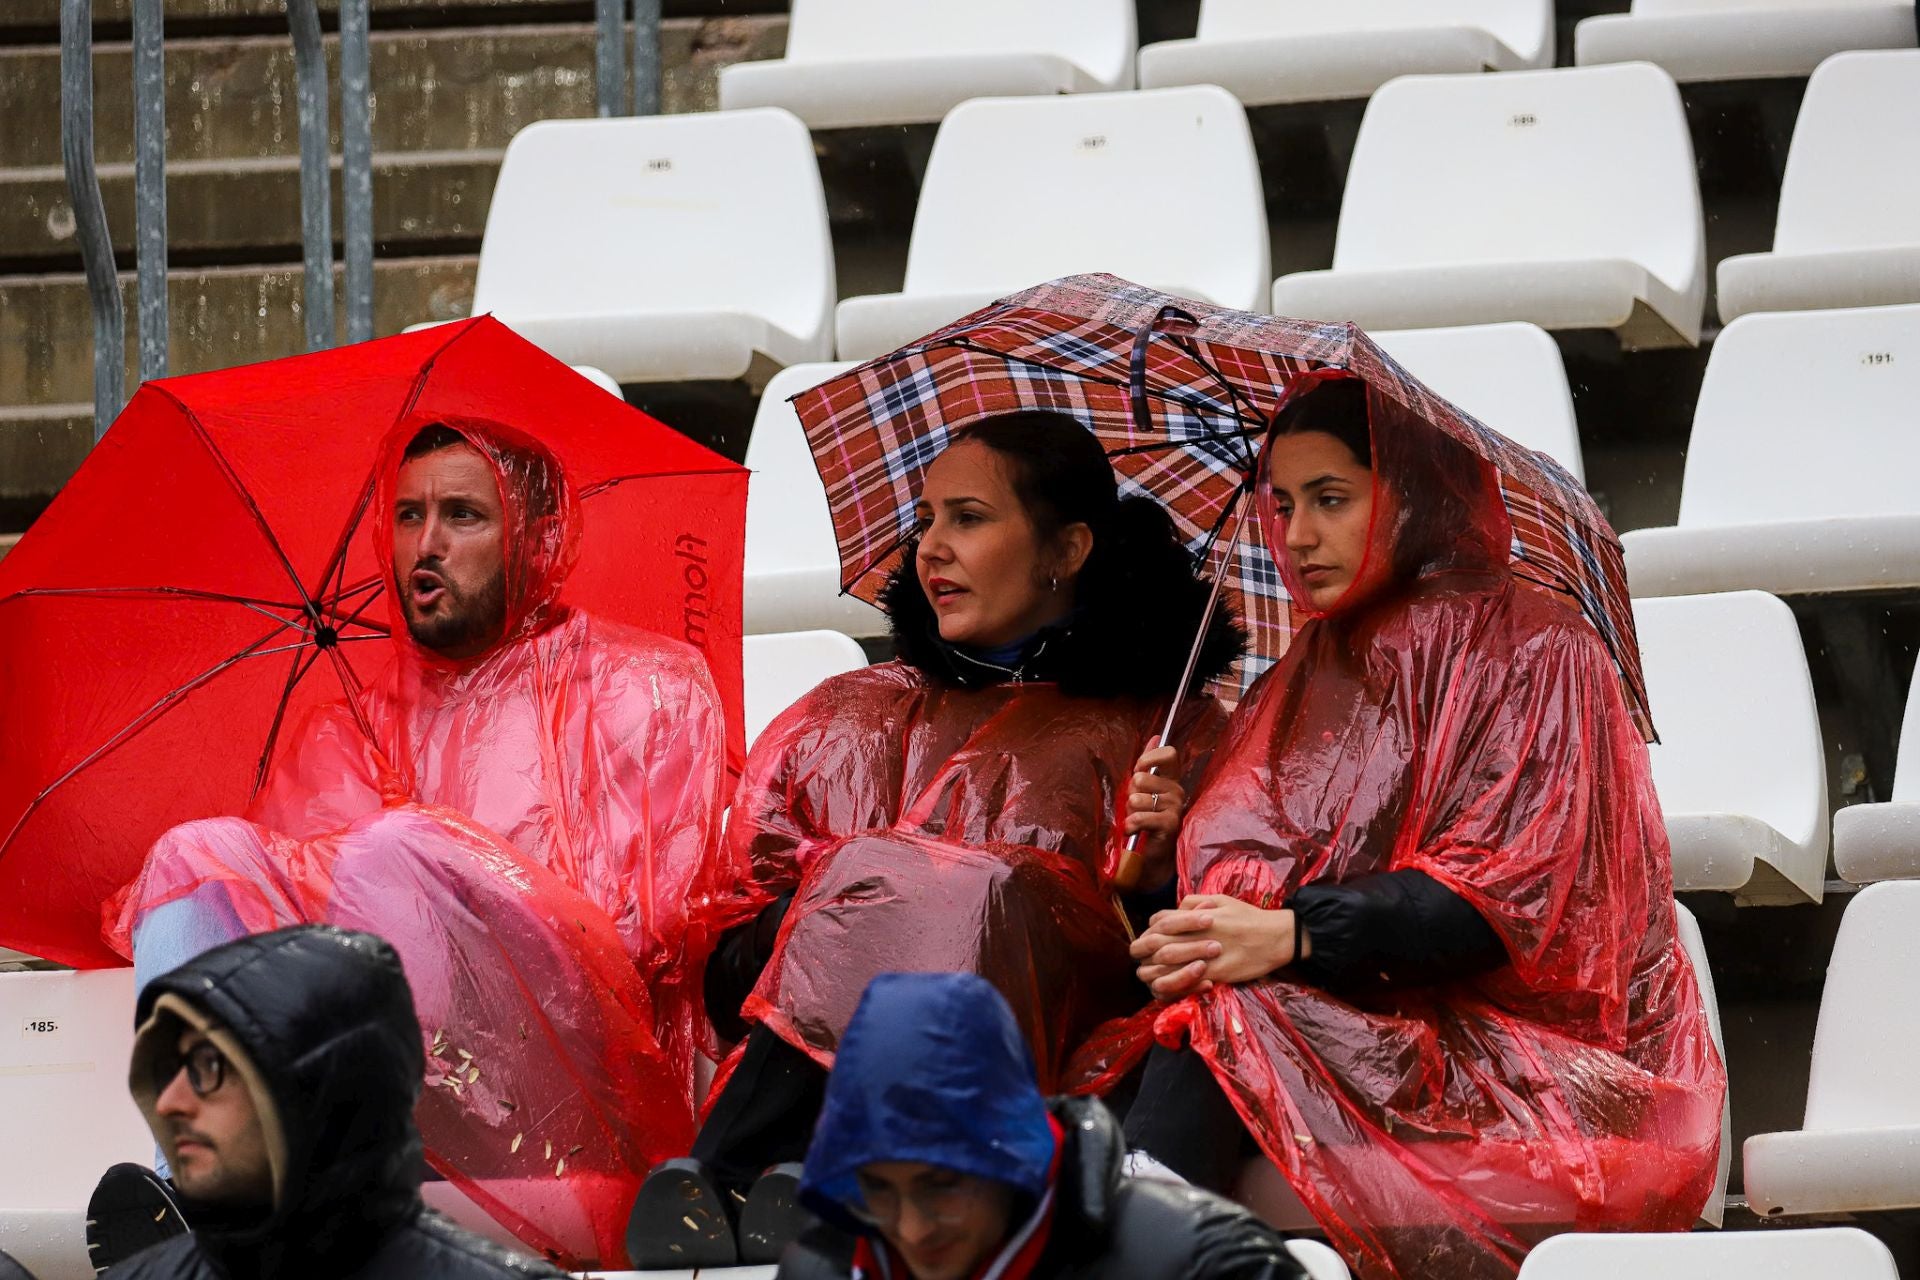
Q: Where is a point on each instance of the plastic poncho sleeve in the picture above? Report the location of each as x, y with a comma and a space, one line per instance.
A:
664, 770
1535, 769
325, 776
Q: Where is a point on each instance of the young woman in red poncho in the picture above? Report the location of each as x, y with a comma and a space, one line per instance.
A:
1426, 962
956, 810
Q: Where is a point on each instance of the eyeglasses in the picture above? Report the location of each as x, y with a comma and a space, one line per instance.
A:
947, 1205
205, 1065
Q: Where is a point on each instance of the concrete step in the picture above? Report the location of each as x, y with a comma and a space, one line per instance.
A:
217, 317
227, 209
467, 89
40, 445
38, 18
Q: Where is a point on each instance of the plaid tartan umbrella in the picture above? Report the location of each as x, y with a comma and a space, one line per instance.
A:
1181, 393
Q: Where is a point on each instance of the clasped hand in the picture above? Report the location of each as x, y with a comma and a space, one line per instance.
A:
1211, 938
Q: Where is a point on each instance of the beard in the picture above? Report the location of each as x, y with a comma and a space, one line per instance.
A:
463, 618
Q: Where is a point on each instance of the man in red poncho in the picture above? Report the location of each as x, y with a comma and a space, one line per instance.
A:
525, 803
1427, 963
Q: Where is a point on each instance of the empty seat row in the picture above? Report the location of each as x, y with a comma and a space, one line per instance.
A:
697, 246
1798, 476
1816, 1253
851, 63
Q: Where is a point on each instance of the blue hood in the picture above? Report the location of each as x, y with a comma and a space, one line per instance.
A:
932, 1068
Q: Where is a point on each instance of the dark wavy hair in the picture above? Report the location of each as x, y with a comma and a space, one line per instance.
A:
1138, 599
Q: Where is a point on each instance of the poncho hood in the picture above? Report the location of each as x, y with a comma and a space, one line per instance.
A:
541, 511
932, 1068
1436, 509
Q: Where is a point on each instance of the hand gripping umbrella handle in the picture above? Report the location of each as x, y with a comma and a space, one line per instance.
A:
1133, 858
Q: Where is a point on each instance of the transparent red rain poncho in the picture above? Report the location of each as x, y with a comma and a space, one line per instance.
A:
936, 829
533, 830
1457, 722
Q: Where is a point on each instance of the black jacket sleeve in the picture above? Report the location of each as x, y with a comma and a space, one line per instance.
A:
1394, 929
735, 965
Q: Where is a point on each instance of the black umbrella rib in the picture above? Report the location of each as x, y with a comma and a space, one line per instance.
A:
599, 487
337, 562
188, 593
166, 703
246, 499
353, 619
1122, 383
296, 672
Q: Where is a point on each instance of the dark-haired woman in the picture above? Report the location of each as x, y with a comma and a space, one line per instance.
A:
957, 809
1427, 953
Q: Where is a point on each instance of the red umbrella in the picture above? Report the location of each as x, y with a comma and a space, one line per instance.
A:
210, 572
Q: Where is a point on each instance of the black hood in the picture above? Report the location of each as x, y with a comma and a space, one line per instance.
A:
1118, 644
326, 1023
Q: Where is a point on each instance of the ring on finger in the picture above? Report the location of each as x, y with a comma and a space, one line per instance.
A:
1156, 802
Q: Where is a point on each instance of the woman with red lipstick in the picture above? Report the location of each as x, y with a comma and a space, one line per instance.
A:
1426, 962
955, 810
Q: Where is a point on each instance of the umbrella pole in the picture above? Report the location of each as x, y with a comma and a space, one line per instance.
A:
1132, 861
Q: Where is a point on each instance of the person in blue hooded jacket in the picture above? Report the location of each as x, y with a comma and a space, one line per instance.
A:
937, 1158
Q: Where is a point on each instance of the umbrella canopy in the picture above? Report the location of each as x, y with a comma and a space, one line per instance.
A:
211, 572
1180, 393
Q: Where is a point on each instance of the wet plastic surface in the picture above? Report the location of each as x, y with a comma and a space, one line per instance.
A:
1443, 717
533, 831
940, 829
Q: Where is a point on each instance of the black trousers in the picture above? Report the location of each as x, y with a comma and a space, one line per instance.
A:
765, 1114
1182, 1118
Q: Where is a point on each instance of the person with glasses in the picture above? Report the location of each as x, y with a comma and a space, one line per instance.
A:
938, 1158
279, 1074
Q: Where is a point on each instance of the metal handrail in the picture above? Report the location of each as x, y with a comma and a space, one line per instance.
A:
316, 195
646, 57
90, 213
610, 56
356, 165
150, 181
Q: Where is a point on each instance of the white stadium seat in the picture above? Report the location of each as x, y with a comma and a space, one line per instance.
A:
1566, 198
792, 573
781, 669
1848, 232
65, 1113
1265, 52
662, 248
1161, 187
1784, 394
1859, 1147
1739, 766
1882, 841
1741, 39
598, 378
1266, 1191
1822, 1253
1509, 376
880, 62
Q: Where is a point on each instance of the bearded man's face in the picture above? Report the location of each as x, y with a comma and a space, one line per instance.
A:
449, 552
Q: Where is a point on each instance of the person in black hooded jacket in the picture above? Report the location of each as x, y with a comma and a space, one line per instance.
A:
937, 1158
957, 810
316, 1026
